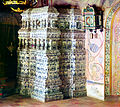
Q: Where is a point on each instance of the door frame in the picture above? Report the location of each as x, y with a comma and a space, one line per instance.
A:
108, 48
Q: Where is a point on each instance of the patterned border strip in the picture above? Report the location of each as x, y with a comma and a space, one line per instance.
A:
107, 48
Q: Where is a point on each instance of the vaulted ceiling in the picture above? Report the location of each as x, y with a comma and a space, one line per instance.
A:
79, 3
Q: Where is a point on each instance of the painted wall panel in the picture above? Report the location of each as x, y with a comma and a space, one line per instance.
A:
95, 64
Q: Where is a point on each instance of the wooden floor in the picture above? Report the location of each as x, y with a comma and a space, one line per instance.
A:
20, 101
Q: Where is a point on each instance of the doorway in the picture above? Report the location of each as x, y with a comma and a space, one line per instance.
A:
115, 54
112, 52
